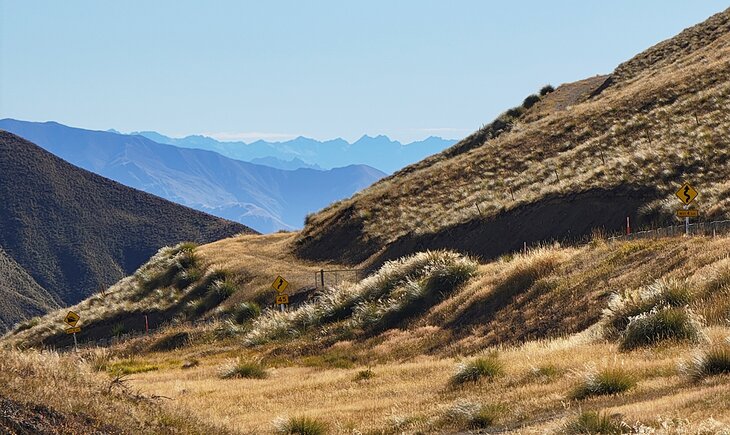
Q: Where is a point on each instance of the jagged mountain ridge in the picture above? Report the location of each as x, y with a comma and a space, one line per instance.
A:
264, 198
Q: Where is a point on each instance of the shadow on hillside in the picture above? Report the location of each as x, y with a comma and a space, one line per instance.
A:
569, 218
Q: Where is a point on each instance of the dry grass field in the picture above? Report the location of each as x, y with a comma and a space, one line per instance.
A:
508, 350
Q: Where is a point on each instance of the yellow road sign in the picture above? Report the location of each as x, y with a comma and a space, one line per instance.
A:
687, 194
282, 299
687, 213
280, 284
71, 318
73, 330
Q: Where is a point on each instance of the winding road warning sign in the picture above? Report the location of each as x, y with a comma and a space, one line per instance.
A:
687, 194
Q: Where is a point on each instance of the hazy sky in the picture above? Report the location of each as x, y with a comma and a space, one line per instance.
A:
278, 69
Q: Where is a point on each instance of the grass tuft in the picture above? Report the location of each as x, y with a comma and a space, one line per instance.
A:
364, 375
244, 369
245, 312
300, 426
661, 293
608, 381
489, 367
713, 361
592, 422
661, 324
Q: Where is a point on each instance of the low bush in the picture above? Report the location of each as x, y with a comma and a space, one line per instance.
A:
713, 361
300, 426
244, 369
608, 381
530, 101
592, 422
661, 324
546, 90
480, 368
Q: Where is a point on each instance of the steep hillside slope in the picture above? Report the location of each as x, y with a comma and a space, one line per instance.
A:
264, 198
74, 231
619, 146
20, 296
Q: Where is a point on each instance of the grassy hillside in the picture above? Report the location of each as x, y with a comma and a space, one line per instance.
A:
583, 157
74, 231
20, 296
630, 335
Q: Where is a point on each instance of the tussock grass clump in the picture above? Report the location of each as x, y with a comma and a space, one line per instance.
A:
662, 293
364, 375
661, 324
299, 426
244, 369
245, 312
488, 367
592, 422
712, 361
474, 415
608, 381
398, 290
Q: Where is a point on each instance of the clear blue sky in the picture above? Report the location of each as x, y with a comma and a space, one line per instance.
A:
246, 69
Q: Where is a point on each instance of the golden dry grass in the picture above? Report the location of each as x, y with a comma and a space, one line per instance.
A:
561, 292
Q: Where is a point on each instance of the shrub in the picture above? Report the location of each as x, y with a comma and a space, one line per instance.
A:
244, 369
245, 312
546, 90
610, 380
592, 422
476, 369
715, 360
667, 323
530, 101
514, 112
300, 426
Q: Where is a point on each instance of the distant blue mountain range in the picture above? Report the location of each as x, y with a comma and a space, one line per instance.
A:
379, 151
261, 197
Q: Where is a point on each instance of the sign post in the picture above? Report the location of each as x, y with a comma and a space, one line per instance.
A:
71, 320
280, 285
687, 194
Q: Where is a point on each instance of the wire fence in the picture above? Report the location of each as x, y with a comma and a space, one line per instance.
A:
705, 229
333, 278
